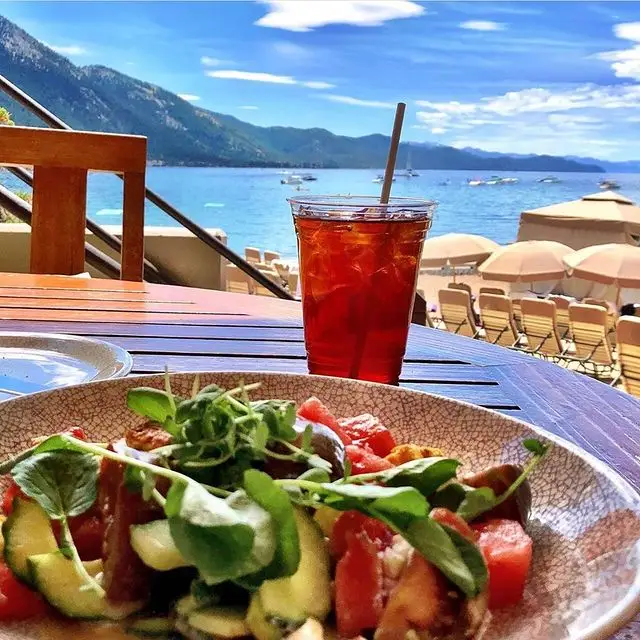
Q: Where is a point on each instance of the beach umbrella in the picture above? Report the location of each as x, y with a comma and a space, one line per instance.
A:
616, 264
456, 248
530, 261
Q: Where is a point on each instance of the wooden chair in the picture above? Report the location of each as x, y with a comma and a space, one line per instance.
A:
628, 330
460, 286
493, 290
237, 281
589, 328
562, 314
61, 161
540, 326
270, 256
456, 312
251, 254
496, 312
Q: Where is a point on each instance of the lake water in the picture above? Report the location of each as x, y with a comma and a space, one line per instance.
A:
250, 204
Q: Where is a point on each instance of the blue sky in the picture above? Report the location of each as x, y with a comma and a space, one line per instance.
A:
542, 77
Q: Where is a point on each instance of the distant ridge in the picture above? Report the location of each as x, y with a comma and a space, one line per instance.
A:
100, 98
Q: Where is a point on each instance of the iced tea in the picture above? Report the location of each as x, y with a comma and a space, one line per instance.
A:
359, 262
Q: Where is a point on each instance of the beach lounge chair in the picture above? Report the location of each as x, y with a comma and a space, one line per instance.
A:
456, 312
589, 329
494, 290
611, 318
252, 255
237, 281
517, 313
270, 256
273, 275
496, 312
540, 326
460, 286
562, 314
628, 331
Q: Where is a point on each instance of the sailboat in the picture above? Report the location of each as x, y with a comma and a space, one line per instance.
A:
409, 172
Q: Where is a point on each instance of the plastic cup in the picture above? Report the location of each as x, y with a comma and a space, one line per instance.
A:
359, 262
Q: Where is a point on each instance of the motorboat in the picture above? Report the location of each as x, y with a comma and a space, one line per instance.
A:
379, 179
549, 180
291, 179
493, 180
607, 185
475, 182
308, 177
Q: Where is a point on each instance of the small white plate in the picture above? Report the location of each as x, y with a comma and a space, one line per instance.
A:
31, 362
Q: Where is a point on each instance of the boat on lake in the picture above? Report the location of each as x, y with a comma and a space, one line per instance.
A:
309, 177
493, 180
608, 185
379, 179
475, 182
549, 180
409, 172
291, 179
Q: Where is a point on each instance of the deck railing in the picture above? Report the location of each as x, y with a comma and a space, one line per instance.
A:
99, 259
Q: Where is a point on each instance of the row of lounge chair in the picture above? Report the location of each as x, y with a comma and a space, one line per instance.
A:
580, 336
237, 281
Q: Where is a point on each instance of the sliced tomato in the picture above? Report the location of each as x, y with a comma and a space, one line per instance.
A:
11, 492
87, 531
507, 549
314, 411
455, 522
76, 432
351, 523
367, 430
365, 461
17, 601
359, 590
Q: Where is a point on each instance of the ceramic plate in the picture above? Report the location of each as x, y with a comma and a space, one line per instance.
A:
32, 362
585, 521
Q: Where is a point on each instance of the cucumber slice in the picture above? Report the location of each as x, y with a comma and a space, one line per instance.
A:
307, 593
221, 622
155, 547
55, 577
151, 627
27, 532
258, 624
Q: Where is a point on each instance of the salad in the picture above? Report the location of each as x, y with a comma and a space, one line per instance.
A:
223, 517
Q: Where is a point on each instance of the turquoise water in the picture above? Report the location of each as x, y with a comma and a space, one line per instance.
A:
250, 204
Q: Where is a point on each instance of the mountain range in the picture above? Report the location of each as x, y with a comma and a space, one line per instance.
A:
102, 99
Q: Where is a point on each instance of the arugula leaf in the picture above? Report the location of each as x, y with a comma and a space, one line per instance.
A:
64, 483
224, 539
424, 474
435, 544
155, 404
261, 488
477, 502
535, 446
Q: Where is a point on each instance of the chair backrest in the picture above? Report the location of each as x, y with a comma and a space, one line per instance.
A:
252, 254
237, 281
628, 330
496, 313
270, 256
61, 161
562, 314
589, 328
494, 290
273, 275
596, 302
460, 286
539, 324
611, 318
455, 308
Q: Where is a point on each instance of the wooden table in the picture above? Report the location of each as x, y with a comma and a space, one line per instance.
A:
199, 330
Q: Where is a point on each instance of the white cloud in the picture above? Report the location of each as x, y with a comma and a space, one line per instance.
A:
438, 130
211, 62
189, 97
319, 85
67, 50
625, 63
252, 76
249, 107
482, 25
432, 117
356, 102
255, 76
447, 107
305, 15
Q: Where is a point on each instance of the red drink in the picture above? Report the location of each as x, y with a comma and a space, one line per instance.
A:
359, 261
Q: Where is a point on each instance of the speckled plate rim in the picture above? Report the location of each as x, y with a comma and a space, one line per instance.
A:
602, 629
110, 360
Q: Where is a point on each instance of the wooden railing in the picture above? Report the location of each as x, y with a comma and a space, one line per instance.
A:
154, 271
